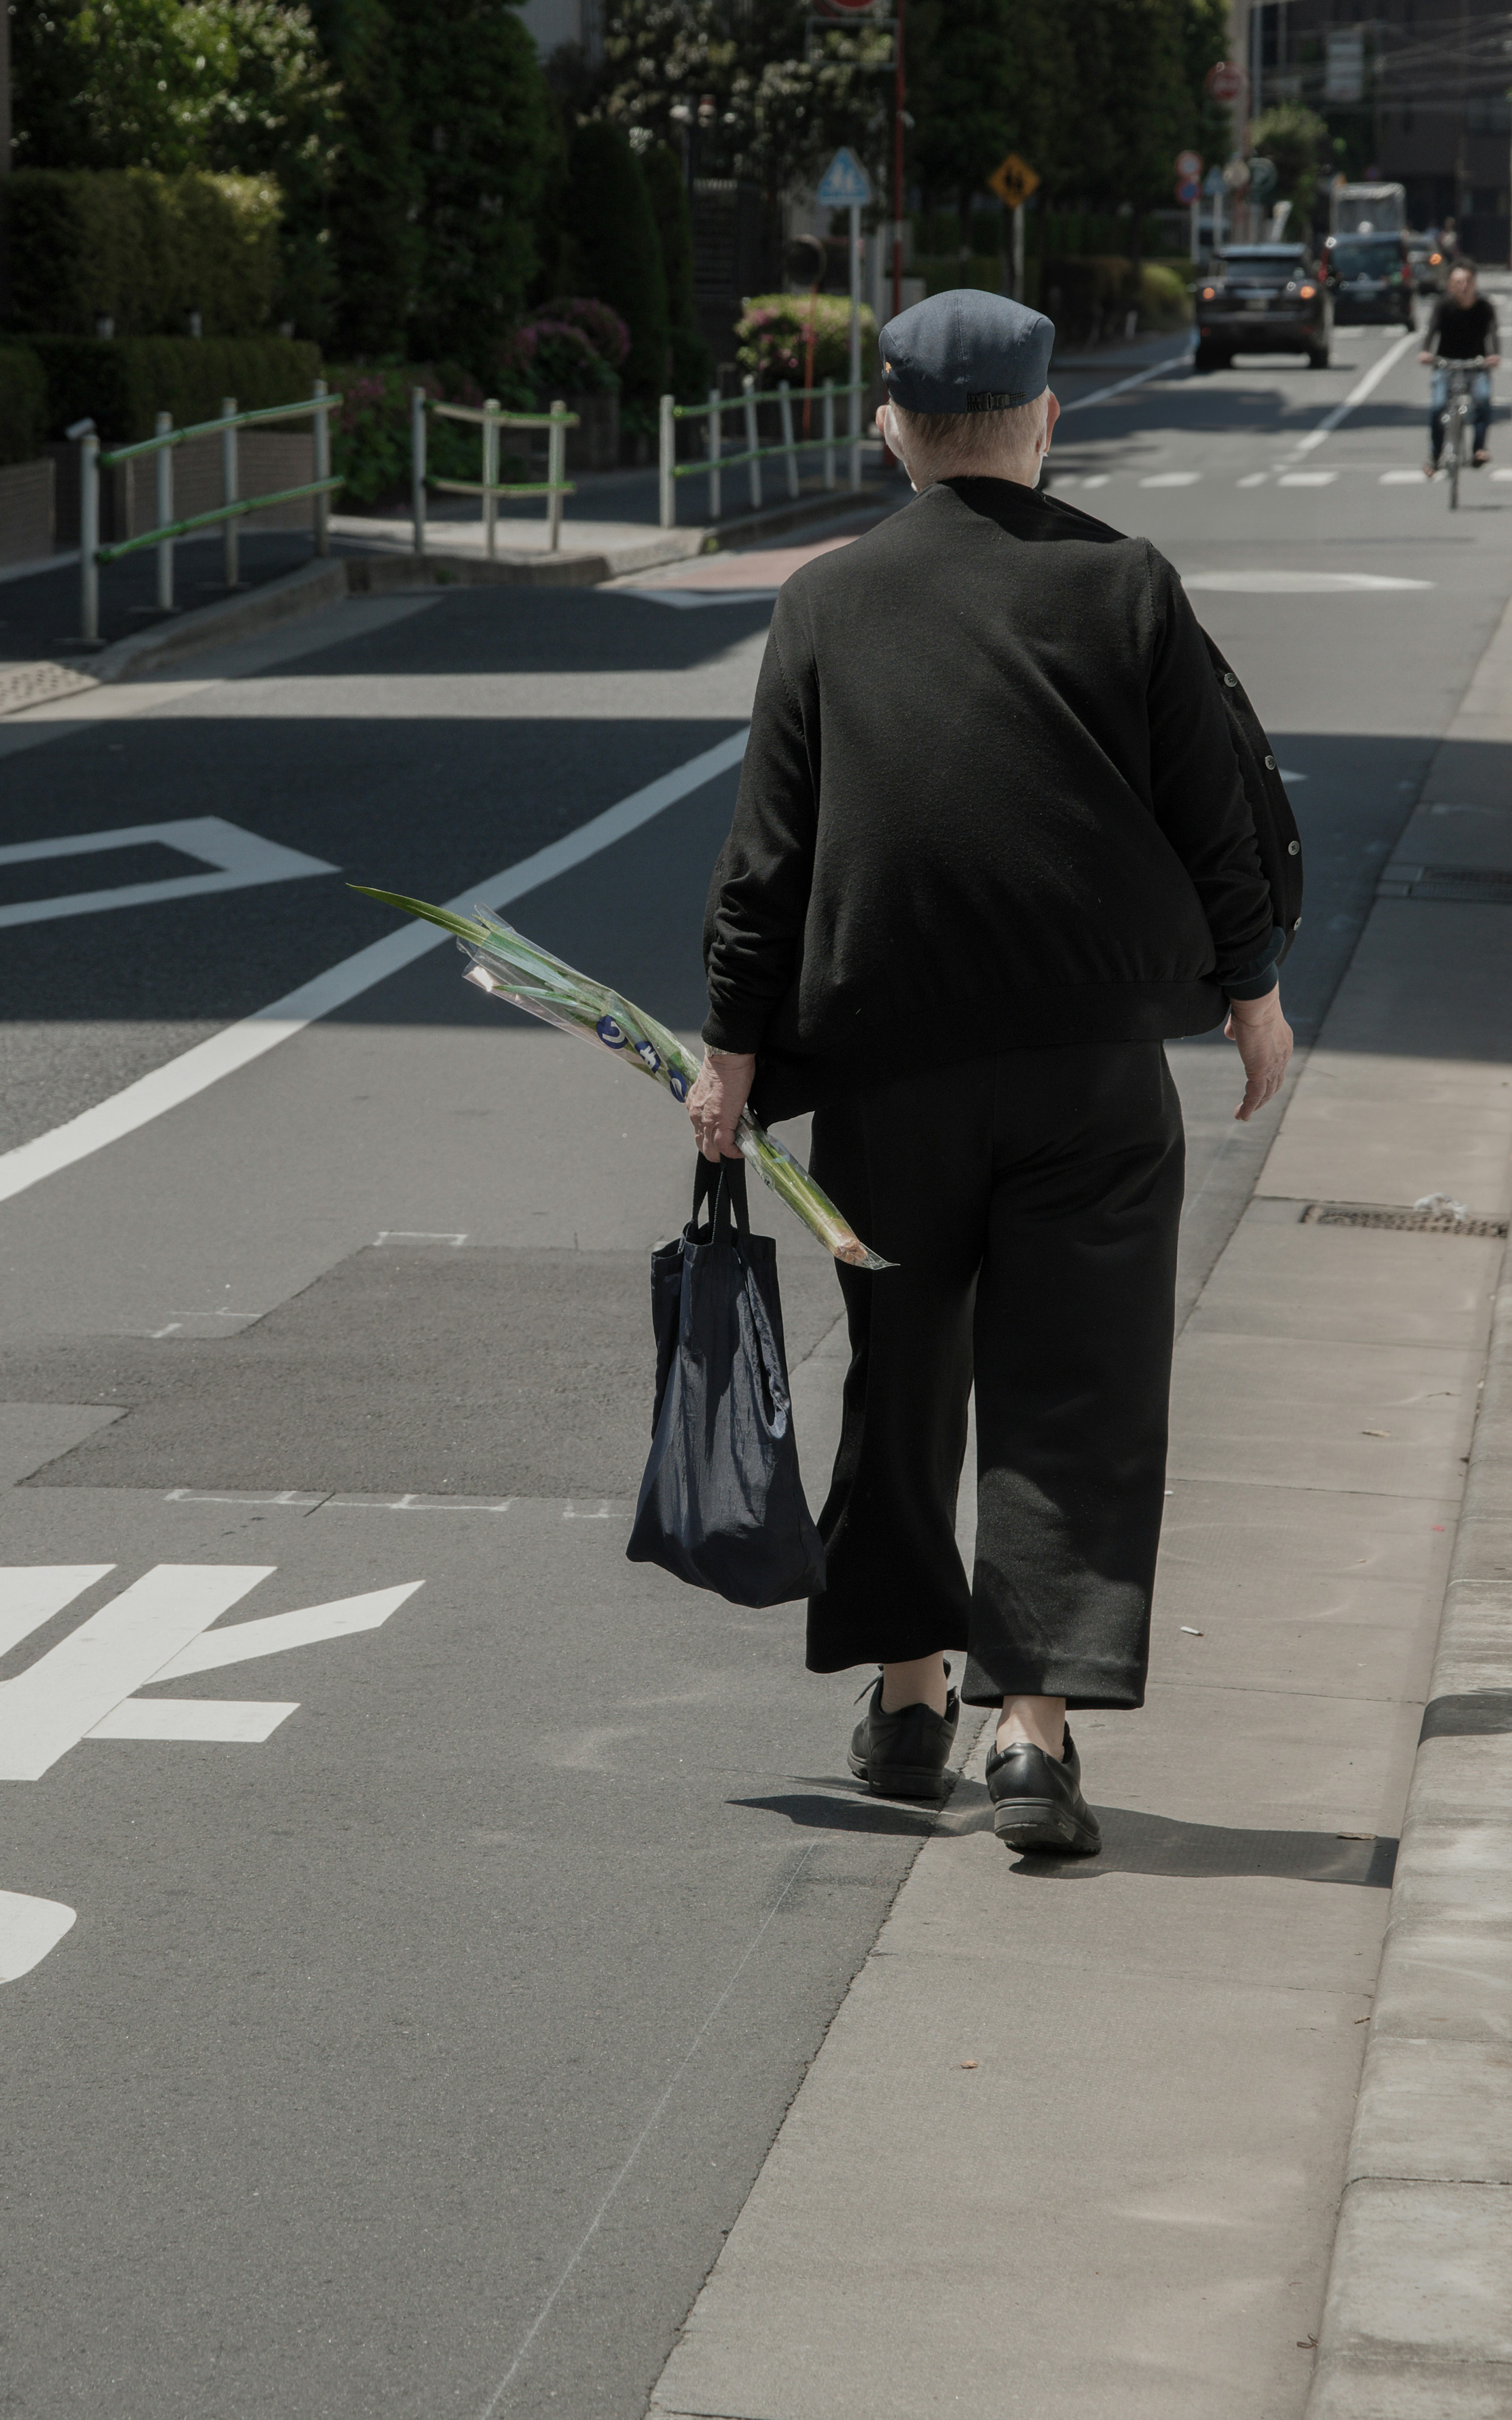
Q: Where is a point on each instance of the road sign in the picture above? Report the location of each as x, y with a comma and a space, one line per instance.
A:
1013, 180
1188, 164
1213, 181
1225, 82
1262, 179
1187, 191
844, 185
1236, 175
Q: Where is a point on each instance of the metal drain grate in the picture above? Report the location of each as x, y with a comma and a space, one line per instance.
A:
1412, 1223
1470, 886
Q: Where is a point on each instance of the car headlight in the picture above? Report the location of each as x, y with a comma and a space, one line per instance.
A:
1307, 292
1209, 294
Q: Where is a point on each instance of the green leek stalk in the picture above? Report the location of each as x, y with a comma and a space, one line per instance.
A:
507, 965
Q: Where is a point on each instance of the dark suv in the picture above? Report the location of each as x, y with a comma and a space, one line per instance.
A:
1261, 298
1369, 277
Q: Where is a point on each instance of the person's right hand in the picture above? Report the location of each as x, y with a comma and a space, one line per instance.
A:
1264, 1041
1427, 359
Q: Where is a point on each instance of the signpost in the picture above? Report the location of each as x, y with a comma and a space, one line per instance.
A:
1189, 191
846, 186
1013, 180
1215, 189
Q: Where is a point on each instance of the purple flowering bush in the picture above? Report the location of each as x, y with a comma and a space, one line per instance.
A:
774, 337
573, 346
370, 434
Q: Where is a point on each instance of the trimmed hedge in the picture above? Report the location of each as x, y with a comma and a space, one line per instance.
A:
145, 249
121, 386
22, 404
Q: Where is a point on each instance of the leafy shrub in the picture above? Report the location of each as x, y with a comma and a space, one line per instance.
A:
121, 384
1165, 297
22, 404
774, 339
611, 248
370, 440
145, 249
573, 346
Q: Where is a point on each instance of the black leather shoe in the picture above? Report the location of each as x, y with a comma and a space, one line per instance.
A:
904, 1755
1038, 1803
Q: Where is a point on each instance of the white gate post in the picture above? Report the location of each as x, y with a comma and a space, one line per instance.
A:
666, 458
490, 475
784, 396
556, 470
416, 469
715, 436
164, 480
229, 529
322, 470
751, 443
829, 432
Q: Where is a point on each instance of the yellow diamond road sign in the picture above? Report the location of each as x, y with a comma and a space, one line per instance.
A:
1013, 180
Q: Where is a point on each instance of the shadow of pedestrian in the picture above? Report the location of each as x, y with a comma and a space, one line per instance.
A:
1134, 1843
816, 1811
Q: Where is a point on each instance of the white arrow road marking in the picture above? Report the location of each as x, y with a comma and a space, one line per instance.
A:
31, 1594
29, 1928
236, 857
48, 1709
238, 1719
276, 1632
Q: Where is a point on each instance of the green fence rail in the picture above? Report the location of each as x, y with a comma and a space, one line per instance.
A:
717, 462
490, 418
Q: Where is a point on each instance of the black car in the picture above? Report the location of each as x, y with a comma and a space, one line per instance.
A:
1369, 278
1261, 298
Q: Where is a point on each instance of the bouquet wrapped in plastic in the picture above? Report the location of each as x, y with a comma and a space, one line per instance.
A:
504, 963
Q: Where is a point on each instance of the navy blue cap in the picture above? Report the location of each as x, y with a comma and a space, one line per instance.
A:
965, 350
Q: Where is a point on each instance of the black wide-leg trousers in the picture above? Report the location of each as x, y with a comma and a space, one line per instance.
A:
1031, 1201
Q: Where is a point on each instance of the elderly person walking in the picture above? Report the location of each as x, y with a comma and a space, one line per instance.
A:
992, 848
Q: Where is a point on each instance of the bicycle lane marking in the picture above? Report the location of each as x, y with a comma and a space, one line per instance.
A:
1357, 394
236, 1045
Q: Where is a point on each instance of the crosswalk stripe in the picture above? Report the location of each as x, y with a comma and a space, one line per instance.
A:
1307, 478
1172, 480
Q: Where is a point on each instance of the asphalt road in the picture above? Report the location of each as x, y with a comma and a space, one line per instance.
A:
417, 2040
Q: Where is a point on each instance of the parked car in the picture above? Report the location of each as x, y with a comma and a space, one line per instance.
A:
1369, 278
1430, 264
1261, 298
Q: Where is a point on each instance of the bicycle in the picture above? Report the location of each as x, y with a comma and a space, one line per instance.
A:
1457, 417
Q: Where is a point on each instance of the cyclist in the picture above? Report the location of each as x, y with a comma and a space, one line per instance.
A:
1462, 329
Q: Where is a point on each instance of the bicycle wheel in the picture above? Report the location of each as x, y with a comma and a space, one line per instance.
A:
1456, 454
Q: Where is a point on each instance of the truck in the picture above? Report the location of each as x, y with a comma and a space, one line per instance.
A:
1367, 209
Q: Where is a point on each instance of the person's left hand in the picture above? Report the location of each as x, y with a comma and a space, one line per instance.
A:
1493, 361
1264, 1040
717, 1100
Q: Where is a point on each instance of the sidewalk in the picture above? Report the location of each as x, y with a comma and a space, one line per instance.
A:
1083, 2139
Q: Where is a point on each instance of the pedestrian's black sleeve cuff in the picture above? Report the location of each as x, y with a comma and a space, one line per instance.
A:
1262, 973
719, 1034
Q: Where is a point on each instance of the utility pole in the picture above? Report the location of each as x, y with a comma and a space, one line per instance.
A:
4, 90
899, 93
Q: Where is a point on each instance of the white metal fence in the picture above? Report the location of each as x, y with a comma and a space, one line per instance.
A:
490, 418
232, 508
715, 461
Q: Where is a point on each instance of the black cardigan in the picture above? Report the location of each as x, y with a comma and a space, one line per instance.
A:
994, 796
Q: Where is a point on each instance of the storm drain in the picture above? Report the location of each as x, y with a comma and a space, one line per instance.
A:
1468, 886
1449, 1218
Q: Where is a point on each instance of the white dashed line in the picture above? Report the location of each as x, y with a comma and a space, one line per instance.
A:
1307, 478
1172, 480
1253, 479
1100, 478
1401, 478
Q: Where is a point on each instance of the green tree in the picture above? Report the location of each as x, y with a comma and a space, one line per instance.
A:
987, 77
482, 131
613, 250
692, 363
373, 203
1295, 140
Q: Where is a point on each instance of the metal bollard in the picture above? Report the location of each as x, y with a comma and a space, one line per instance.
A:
751, 442
165, 551
666, 463
556, 471
322, 470
716, 436
229, 529
89, 537
784, 401
417, 468
829, 432
490, 475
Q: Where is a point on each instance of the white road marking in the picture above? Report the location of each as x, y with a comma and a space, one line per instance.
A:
237, 1721
1307, 478
236, 856
1356, 395
156, 1631
1405, 478
167, 1087
31, 1594
692, 600
275, 1633
1156, 369
1098, 479
47, 1709
29, 1928
1297, 584
1172, 480
1253, 479
1501, 475
1287, 775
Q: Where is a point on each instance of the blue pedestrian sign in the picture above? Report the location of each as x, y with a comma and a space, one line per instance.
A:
844, 185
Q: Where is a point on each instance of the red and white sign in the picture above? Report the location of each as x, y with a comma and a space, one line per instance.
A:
1188, 163
1225, 82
